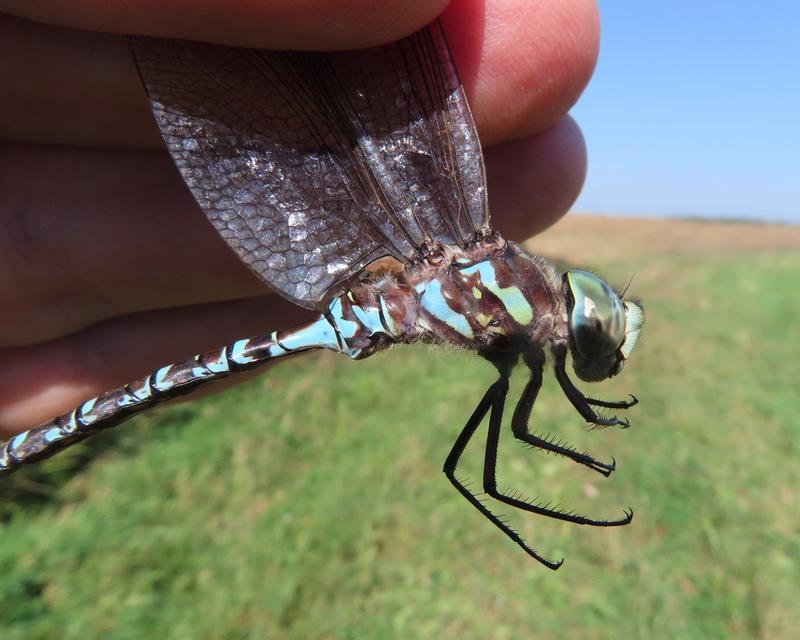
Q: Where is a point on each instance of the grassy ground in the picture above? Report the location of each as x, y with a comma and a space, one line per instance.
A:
310, 503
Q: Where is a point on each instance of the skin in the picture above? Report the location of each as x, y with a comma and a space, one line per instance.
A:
107, 267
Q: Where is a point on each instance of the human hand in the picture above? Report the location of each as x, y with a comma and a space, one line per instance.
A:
107, 267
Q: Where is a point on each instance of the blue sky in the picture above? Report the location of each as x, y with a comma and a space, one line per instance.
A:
694, 110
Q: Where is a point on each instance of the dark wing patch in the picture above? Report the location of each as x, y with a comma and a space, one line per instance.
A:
312, 165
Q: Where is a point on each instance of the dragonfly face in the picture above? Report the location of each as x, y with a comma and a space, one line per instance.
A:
603, 329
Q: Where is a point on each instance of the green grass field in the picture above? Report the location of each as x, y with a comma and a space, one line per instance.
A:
310, 503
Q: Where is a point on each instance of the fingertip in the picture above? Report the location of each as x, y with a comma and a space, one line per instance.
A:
533, 181
272, 24
524, 63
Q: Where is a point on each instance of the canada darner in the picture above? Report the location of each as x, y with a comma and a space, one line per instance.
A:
353, 183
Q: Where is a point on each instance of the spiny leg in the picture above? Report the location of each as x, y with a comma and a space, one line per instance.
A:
490, 486
521, 417
621, 404
493, 399
579, 401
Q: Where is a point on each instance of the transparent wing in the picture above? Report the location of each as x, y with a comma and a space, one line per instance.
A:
312, 165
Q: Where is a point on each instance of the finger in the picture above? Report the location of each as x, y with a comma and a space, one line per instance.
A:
534, 181
87, 235
523, 62
71, 256
71, 87
40, 381
276, 24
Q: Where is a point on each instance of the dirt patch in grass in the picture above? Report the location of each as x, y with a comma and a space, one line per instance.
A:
592, 238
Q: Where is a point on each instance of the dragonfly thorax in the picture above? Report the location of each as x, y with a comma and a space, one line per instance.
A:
493, 297
489, 297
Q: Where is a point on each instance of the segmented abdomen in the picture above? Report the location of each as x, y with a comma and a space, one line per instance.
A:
113, 407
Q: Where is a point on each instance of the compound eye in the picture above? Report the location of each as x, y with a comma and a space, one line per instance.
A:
597, 316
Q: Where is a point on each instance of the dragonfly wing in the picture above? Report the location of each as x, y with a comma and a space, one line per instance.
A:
312, 165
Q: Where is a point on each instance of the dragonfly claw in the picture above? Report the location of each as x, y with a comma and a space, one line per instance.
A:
624, 423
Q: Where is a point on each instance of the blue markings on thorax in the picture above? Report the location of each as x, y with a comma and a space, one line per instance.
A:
387, 320
434, 303
511, 297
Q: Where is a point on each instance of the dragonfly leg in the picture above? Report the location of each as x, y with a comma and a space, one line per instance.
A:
583, 404
621, 404
493, 400
490, 486
521, 418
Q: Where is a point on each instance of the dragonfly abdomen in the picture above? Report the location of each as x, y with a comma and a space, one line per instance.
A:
346, 327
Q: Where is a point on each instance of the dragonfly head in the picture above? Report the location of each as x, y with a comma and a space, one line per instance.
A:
603, 328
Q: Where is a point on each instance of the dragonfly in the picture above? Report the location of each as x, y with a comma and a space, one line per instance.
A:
352, 183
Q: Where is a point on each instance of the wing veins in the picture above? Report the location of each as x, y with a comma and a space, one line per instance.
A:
366, 173
311, 165
422, 63
303, 109
437, 75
